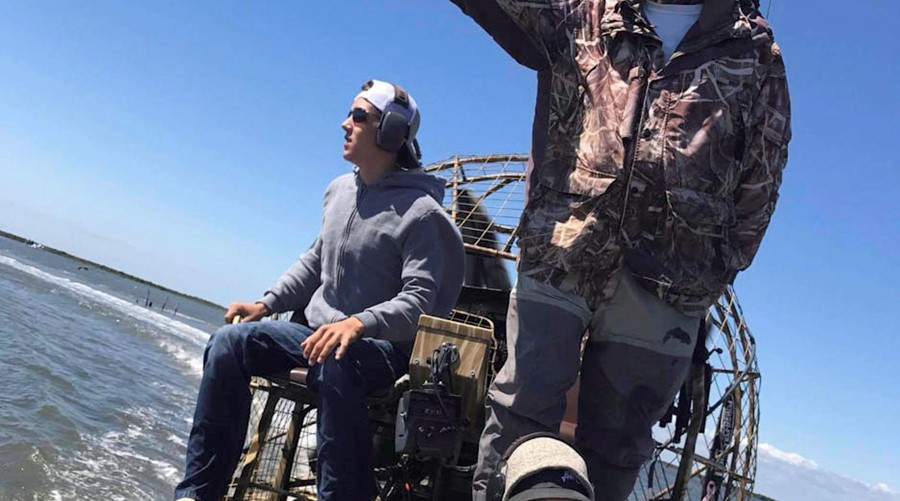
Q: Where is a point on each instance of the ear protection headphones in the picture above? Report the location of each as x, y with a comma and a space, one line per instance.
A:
394, 129
496, 486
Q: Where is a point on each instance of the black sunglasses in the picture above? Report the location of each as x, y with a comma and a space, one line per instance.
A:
360, 115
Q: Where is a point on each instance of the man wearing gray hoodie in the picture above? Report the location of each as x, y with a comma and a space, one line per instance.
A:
387, 253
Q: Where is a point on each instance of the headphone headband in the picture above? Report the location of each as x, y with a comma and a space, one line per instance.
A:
399, 117
400, 96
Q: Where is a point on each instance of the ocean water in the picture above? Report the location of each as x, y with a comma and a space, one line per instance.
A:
97, 390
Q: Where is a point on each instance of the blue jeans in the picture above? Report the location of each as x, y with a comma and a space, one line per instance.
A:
344, 441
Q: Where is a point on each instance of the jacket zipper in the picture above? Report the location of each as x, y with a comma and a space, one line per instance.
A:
632, 148
360, 194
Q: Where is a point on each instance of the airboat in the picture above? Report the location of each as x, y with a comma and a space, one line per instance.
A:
706, 445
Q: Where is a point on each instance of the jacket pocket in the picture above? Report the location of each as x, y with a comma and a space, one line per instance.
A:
700, 213
697, 241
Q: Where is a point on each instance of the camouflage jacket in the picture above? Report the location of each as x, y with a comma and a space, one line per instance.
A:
670, 167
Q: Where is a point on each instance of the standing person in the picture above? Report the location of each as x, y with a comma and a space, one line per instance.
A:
659, 138
387, 253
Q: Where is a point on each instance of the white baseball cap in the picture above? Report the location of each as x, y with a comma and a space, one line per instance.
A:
546, 467
388, 97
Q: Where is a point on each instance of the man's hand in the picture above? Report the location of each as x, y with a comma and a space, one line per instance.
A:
318, 346
248, 312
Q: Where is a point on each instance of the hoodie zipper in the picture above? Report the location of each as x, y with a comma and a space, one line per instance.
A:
360, 194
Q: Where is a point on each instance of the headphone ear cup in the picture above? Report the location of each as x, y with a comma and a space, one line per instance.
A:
392, 132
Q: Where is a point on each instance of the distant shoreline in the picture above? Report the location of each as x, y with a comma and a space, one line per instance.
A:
108, 269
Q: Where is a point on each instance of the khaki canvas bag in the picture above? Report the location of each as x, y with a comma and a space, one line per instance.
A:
474, 342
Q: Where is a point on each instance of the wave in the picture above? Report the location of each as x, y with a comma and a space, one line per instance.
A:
109, 466
175, 439
186, 333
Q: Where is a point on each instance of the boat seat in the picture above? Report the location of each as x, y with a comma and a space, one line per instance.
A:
284, 430
389, 395
298, 375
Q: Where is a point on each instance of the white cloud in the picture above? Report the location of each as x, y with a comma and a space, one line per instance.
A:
883, 488
788, 476
788, 457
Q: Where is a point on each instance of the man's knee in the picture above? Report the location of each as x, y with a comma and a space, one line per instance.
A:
541, 410
536, 395
335, 377
227, 341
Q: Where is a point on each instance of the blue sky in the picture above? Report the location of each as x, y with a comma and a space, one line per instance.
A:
189, 143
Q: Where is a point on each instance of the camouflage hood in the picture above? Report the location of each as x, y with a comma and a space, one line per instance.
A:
671, 167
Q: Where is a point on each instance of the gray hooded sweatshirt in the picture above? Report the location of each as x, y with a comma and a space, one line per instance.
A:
387, 253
